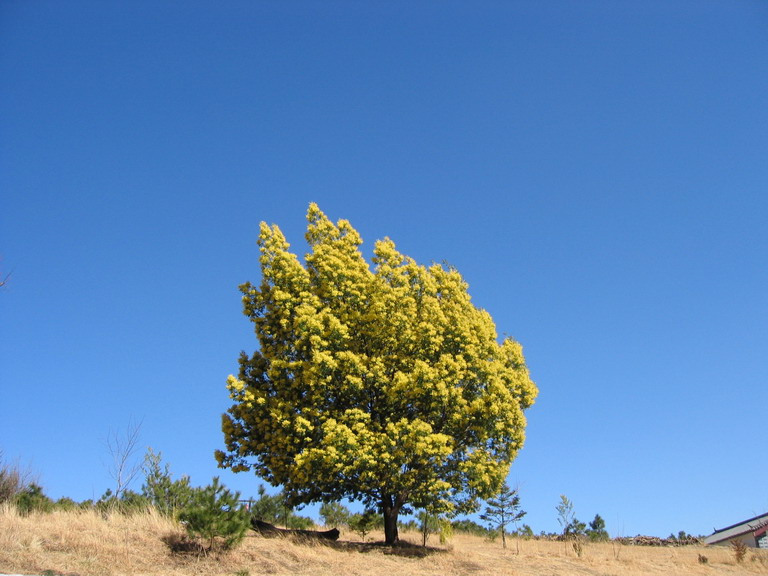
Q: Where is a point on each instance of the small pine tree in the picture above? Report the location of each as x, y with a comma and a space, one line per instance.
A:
596, 531
168, 496
66, 504
275, 509
526, 532
32, 499
576, 529
215, 516
267, 508
363, 524
502, 510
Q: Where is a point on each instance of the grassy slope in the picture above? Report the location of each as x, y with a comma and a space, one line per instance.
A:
87, 544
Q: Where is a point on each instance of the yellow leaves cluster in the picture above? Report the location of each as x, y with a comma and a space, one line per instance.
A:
372, 381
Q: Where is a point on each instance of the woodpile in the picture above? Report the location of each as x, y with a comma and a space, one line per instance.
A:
656, 541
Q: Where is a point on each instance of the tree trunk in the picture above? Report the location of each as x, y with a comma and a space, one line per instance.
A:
391, 507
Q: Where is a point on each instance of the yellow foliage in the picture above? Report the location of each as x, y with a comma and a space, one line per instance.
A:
369, 382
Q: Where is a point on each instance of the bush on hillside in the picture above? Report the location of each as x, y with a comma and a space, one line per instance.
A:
365, 523
12, 480
334, 514
470, 527
32, 499
167, 495
274, 509
596, 531
215, 517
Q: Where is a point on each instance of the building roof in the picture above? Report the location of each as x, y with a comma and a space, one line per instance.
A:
756, 524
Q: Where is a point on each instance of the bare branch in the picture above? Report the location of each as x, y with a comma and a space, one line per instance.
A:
122, 449
4, 281
13, 479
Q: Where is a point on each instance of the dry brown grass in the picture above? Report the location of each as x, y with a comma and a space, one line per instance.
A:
88, 545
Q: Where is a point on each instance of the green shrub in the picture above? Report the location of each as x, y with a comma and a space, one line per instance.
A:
274, 509
363, 524
12, 480
525, 532
167, 495
469, 527
129, 502
66, 504
32, 499
596, 531
334, 514
215, 517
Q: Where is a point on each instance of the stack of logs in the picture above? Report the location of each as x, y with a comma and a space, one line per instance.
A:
656, 541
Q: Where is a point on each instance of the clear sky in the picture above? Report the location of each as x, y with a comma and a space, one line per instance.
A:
597, 170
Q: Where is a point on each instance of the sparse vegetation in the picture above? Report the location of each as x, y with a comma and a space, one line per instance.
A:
578, 547
430, 522
465, 526
13, 480
84, 542
739, 550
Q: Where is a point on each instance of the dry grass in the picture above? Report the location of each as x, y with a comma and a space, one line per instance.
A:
86, 544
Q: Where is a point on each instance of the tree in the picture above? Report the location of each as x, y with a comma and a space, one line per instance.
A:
364, 523
430, 523
168, 496
32, 499
275, 509
215, 515
334, 514
385, 385
596, 530
565, 515
526, 532
502, 510
576, 529
122, 448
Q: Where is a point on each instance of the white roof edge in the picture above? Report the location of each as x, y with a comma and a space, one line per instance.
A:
737, 529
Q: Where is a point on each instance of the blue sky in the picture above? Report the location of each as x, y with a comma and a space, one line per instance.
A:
596, 170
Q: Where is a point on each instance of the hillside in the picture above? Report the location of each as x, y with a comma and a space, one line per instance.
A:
85, 544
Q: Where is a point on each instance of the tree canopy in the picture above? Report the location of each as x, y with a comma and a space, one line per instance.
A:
381, 384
